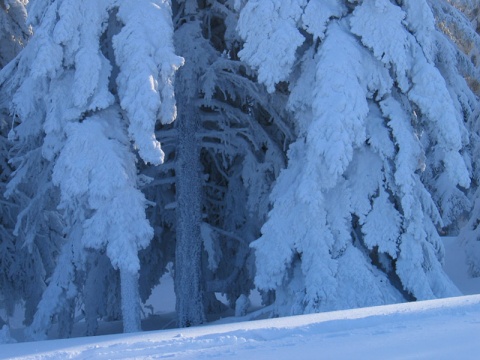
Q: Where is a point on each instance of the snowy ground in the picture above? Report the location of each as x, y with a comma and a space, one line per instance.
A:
439, 329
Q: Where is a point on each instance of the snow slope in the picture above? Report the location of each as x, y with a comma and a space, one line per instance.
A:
438, 329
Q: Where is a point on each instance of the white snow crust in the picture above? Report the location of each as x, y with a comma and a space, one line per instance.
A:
436, 329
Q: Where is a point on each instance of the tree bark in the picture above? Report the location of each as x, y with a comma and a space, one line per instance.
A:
130, 301
188, 257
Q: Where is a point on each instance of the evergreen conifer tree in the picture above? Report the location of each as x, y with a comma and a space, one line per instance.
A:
353, 221
88, 90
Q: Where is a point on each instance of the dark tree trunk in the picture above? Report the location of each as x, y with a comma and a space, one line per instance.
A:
188, 256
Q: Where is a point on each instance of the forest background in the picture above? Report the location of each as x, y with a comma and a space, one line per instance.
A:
314, 150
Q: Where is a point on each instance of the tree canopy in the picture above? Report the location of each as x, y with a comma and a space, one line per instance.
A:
314, 150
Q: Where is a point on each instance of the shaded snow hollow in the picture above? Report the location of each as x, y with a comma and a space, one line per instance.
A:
437, 329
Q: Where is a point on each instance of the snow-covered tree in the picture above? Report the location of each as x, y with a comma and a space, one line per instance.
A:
88, 90
379, 113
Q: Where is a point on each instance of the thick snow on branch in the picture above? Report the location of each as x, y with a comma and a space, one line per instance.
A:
420, 250
339, 105
430, 93
104, 177
145, 55
82, 49
269, 28
420, 21
379, 23
318, 13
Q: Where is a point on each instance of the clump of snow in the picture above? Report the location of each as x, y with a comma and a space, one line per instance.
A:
265, 22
